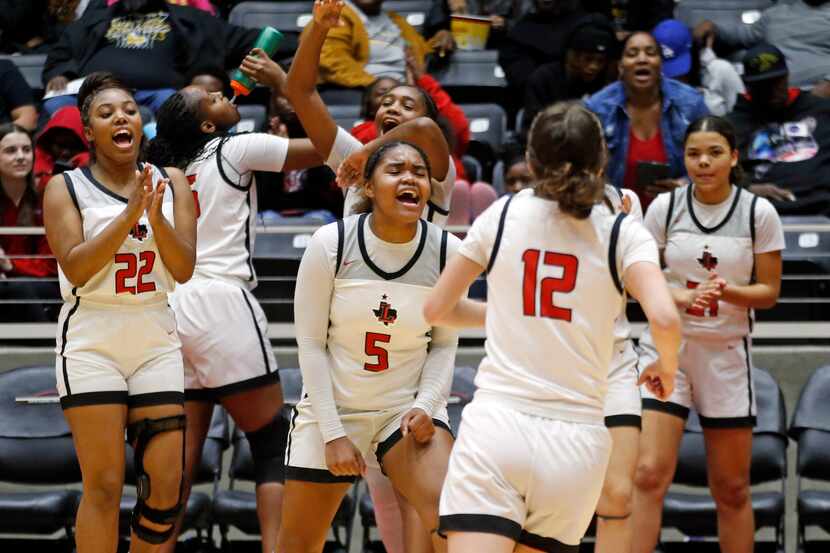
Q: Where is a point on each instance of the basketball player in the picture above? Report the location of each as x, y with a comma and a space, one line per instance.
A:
527, 470
376, 376
405, 113
717, 237
227, 354
122, 238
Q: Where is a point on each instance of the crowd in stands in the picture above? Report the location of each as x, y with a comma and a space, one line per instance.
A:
646, 76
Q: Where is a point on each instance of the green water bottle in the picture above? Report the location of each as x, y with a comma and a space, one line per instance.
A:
268, 40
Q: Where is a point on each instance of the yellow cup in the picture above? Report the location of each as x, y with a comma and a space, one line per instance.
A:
470, 31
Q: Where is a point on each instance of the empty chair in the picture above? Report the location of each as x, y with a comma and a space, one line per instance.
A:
346, 115
472, 76
488, 123
36, 449
286, 16
811, 429
198, 511
695, 514
31, 67
252, 118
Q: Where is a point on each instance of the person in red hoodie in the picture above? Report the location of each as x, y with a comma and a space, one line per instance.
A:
60, 146
20, 205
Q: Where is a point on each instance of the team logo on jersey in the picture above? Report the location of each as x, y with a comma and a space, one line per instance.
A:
139, 231
385, 313
707, 260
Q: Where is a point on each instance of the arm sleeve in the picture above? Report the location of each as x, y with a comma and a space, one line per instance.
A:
256, 152
655, 220
344, 145
478, 244
312, 302
635, 245
636, 207
436, 376
769, 233
450, 110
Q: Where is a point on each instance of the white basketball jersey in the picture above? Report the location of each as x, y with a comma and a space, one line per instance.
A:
226, 204
137, 274
693, 251
378, 338
554, 294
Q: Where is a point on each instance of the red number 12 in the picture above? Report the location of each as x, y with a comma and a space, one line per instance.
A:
549, 285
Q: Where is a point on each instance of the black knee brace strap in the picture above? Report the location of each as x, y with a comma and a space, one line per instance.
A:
268, 450
139, 434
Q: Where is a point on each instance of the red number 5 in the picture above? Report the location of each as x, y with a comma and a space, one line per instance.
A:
133, 271
563, 284
371, 348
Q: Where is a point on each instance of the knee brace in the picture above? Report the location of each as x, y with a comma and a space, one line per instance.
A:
268, 450
140, 433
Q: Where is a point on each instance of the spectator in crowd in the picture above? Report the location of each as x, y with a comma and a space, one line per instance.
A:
800, 28
149, 44
635, 15
503, 15
589, 49
212, 78
537, 38
20, 205
61, 146
17, 101
644, 116
457, 123
371, 43
783, 136
32, 26
716, 78
516, 173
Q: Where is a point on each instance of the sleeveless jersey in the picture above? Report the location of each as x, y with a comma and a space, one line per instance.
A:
378, 338
554, 294
136, 275
226, 202
693, 251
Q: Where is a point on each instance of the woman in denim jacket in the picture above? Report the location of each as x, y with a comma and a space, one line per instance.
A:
644, 116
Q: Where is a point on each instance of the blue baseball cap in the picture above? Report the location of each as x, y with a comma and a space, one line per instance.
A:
675, 42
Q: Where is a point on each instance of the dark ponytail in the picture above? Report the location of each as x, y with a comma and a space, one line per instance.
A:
179, 137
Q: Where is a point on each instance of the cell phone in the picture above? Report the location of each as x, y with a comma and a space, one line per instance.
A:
650, 171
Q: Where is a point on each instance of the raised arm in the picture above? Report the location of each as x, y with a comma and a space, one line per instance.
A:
447, 305
301, 85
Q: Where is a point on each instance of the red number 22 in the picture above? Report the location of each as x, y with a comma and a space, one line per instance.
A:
132, 270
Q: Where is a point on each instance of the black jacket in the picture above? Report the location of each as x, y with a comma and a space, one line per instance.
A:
204, 40
762, 134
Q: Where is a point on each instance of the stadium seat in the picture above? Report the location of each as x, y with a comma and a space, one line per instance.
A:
695, 514
346, 115
473, 169
471, 76
488, 131
31, 66
498, 178
198, 512
237, 508
692, 12
36, 448
252, 118
811, 429
415, 11
286, 16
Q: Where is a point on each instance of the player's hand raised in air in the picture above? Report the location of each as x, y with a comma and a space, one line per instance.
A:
327, 13
142, 195
659, 379
418, 423
344, 459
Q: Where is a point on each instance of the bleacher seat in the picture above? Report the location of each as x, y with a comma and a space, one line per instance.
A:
36, 448
473, 168
811, 429
415, 11
345, 115
252, 118
286, 16
695, 514
488, 123
198, 511
693, 12
498, 178
31, 66
472, 76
